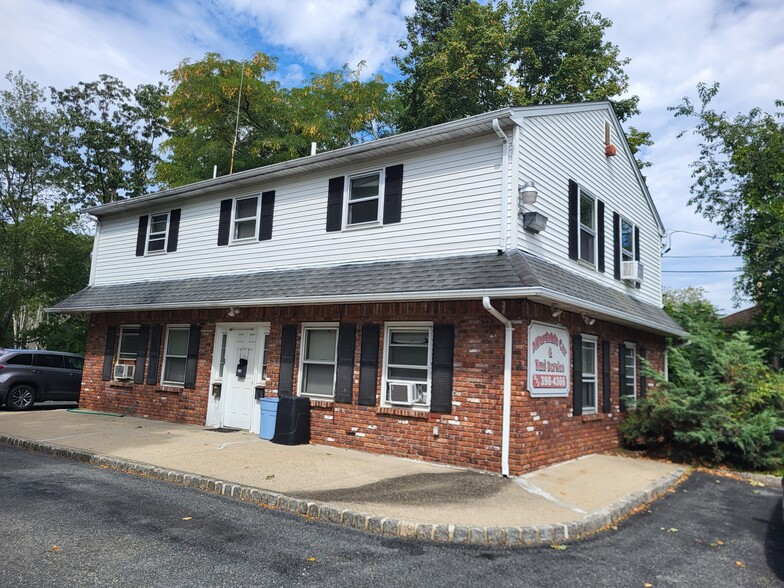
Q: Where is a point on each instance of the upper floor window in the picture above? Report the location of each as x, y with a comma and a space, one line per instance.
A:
363, 199
627, 241
587, 239
156, 235
246, 212
319, 359
407, 359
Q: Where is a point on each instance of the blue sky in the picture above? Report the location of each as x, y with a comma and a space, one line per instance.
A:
672, 44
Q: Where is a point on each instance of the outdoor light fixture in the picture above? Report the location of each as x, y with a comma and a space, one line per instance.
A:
528, 193
535, 222
233, 311
555, 311
588, 320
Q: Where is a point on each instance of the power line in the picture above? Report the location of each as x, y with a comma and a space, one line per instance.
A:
733, 271
695, 256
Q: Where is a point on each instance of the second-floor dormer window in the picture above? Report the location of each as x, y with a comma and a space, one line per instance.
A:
156, 239
627, 241
363, 199
246, 212
587, 228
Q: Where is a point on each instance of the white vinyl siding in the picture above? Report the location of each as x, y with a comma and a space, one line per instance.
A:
556, 148
451, 205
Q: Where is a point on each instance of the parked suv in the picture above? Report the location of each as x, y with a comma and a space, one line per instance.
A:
28, 376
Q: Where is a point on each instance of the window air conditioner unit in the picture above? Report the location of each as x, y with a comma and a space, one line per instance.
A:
632, 270
123, 371
401, 393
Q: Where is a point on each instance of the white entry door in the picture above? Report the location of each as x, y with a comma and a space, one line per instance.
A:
242, 365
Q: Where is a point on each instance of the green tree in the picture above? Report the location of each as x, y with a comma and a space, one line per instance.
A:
719, 404
109, 138
739, 184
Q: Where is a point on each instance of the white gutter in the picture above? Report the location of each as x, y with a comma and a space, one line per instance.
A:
505, 180
505, 427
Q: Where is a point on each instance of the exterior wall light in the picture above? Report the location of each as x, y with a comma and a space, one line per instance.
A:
534, 221
528, 193
588, 320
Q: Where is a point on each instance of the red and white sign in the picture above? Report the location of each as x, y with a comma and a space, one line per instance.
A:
549, 363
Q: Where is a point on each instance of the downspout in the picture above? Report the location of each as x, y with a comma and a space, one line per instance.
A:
505, 189
507, 407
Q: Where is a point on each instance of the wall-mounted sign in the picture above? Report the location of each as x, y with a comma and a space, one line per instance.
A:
549, 363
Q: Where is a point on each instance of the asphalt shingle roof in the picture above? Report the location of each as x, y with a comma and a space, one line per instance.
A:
461, 276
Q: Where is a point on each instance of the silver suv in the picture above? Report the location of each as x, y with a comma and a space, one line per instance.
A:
28, 376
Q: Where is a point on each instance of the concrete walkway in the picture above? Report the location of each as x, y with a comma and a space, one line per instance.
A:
378, 494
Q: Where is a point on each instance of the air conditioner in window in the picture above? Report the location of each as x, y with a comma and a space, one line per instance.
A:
123, 371
401, 392
632, 270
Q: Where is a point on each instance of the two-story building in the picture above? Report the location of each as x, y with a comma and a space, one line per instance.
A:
479, 293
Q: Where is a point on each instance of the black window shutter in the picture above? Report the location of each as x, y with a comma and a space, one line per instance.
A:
637, 250
617, 245
622, 375
600, 234
344, 380
335, 204
393, 194
643, 379
224, 224
141, 236
443, 365
155, 350
288, 347
606, 389
191, 363
108, 353
368, 365
141, 355
265, 221
573, 228
577, 375
174, 230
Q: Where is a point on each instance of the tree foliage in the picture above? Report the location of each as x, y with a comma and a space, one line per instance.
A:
109, 138
739, 184
214, 96
720, 403
464, 58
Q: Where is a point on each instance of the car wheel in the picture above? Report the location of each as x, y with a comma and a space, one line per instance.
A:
20, 397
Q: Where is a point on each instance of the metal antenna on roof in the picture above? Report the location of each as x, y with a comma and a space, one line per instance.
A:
239, 95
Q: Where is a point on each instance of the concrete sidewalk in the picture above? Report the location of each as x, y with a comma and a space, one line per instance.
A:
379, 494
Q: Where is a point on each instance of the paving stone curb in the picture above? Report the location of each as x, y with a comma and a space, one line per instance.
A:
552, 534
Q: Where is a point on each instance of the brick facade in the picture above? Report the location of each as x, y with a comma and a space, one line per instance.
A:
543, 430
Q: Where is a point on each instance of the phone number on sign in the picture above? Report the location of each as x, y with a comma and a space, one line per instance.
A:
548, 381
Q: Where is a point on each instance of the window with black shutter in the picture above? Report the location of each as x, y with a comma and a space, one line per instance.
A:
365, 198
158, 233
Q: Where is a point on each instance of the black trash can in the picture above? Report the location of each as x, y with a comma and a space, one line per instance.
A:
292, 424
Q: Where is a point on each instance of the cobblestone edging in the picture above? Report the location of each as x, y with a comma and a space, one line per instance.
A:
378, 525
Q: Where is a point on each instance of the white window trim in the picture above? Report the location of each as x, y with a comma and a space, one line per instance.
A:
347, 193
620, 239
581, 227
257, 218
169, 329
119, 343
411, 326
595, 407
300, 380
633, 347
165, 234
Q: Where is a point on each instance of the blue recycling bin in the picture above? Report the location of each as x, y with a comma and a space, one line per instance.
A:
269, 415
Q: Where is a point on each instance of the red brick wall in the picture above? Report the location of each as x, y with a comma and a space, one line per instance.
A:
543, 430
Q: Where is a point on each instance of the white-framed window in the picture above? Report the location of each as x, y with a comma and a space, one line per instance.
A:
245, 218
588, 385
627, 241
364, 198
175, 355
630, 365
129, 342
318, 359
264, 356
587, 227
157, 232
408, 352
